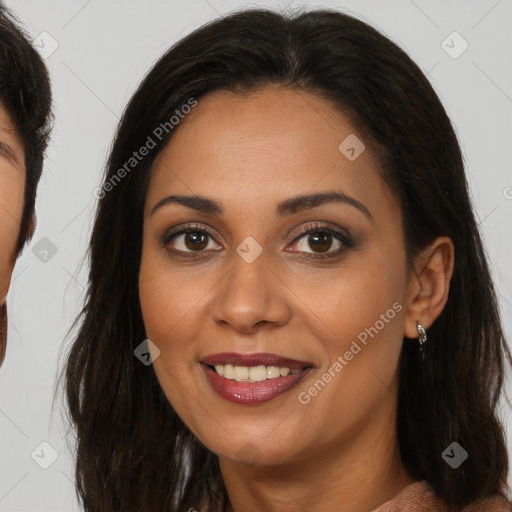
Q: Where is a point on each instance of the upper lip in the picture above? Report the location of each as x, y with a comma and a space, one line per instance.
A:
254, 359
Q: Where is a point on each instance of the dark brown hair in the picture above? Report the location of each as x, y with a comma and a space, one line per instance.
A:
133, 451
26, 96
25, 93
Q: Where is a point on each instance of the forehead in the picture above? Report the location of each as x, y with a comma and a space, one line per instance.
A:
271, 122
271, 143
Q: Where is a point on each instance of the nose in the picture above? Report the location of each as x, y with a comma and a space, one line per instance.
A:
251, 296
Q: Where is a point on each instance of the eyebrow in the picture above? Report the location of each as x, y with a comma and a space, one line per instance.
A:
286, 207
7, 152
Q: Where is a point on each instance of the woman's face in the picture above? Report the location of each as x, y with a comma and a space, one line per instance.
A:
246, 281
12, 186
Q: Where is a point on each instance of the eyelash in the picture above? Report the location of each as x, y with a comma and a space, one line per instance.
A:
342, 236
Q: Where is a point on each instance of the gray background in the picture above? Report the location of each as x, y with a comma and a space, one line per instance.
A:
104, 49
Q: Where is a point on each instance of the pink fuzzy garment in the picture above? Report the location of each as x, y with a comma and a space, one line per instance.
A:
419, 497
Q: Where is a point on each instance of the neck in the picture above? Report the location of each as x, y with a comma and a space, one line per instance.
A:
357, 474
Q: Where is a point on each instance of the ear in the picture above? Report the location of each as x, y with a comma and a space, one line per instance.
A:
5, 282
429, 284
31, 226
6, 268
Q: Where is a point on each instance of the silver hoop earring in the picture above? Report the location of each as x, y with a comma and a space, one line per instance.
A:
422, 337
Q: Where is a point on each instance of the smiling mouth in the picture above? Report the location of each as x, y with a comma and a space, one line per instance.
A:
258, 373
254, 378
239, 388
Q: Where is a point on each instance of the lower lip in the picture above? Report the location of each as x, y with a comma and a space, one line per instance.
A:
252, 392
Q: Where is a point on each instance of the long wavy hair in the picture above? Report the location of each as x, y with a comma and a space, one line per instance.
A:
133, 452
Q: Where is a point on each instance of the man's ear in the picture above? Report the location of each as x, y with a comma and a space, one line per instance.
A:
31, 226
429, 284
5, 282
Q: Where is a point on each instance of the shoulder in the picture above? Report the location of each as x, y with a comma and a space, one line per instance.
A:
420, 497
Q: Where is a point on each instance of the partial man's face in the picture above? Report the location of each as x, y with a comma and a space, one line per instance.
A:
12, 187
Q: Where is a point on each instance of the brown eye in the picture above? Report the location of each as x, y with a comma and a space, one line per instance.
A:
191, 240
195, 240
322, 241
318, 242
188, 240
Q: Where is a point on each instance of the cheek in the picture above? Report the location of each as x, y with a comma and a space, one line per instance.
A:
361, 306
174, 304
169, 303
361, 330
356, 300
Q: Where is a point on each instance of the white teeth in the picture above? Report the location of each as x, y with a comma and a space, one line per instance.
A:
241, 372
258, 373
252, 373
273, 372
227, 372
